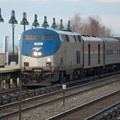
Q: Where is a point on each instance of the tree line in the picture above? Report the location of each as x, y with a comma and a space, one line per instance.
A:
90, 26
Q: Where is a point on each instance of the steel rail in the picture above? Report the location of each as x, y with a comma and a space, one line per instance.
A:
75, 109
96, 81
56, 92
73, 87
42, 104
103, 111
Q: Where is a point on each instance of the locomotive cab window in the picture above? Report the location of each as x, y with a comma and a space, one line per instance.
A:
64, 38
61, 37
30, 37
47, 37
79, 38
67, 38
72, 38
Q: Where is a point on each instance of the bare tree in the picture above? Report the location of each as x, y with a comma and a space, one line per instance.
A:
105, 31
93, 25
77, 23
90, 26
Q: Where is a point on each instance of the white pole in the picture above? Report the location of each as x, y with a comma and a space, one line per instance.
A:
5, 48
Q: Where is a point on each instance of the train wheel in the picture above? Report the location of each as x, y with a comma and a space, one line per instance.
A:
26, 78
75, 74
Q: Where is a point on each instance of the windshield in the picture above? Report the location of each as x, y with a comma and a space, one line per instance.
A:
30, 37
42, 37
47, 37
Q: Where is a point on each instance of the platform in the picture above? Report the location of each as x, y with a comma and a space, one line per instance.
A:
9, 77
10, 69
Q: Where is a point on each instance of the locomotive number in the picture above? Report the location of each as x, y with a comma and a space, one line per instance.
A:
38, 43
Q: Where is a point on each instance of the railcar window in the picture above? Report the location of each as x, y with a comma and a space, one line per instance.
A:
61, 38
30, 37
98, 53
64, 38
72, 39
109, 52
47, 37
67, 38
79, 38
78, 57
75, 38
89, 54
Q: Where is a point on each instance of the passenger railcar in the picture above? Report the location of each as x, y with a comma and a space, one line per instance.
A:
93, 54
48, 56
111, 53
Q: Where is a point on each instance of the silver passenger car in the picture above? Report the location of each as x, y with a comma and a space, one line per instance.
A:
111, 51
93, 51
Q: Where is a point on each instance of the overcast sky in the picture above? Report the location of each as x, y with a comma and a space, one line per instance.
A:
107, 10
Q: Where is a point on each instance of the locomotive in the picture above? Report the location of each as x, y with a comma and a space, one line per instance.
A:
49, 56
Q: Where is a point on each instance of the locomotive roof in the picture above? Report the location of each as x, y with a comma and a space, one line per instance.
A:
67, 32
91, 38
64, 32
58, 31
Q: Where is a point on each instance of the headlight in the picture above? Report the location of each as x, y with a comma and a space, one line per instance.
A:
26, 59
48, 59
37, 53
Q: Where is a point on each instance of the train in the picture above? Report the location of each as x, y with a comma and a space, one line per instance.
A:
2, 60
49, 56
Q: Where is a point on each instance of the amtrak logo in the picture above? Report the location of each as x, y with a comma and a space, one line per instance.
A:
37, 48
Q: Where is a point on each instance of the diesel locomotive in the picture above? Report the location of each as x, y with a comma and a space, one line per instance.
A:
49, 56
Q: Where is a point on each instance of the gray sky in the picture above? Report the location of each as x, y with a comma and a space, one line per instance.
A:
107, 10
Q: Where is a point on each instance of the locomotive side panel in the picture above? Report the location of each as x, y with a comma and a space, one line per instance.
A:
98, 53
66, 57
69, 56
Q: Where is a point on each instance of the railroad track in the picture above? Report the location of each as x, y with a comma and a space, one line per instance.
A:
26, 93
78, 113
7, 92
57, 98
111, 112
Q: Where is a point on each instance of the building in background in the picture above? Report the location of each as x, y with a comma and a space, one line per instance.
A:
8, 54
